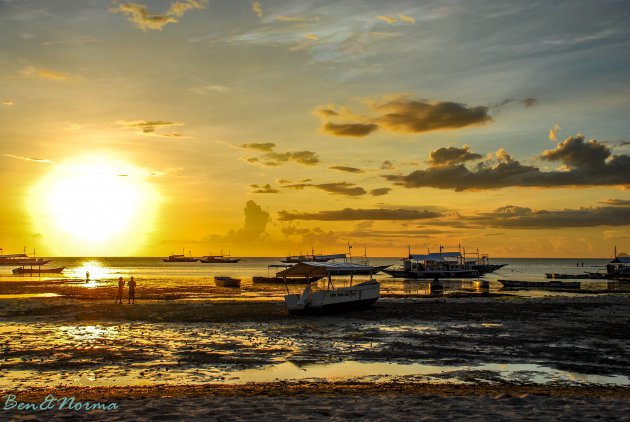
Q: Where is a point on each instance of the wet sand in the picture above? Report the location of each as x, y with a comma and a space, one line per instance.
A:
585, 337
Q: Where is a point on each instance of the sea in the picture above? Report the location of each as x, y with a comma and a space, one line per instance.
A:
187, 279
56, 329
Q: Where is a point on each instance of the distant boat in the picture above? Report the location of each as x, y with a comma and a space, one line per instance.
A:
38, 270
552, 284
181, 258
21, 259
567, 276
219, 259
330, 300
225, 281
295, 259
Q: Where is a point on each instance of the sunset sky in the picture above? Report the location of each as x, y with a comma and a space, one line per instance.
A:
272, 127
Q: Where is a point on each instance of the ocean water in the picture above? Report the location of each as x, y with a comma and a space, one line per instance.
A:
193, 280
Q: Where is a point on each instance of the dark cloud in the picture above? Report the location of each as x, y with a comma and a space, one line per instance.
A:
452, 155
273, 159
387, 165
265, 146
346, 169
264, 189
406, 115
256, 220
526, 218
584, 164
350, 129
576, 153
380, 191
526, 102
349, 214
337, 188
413, 116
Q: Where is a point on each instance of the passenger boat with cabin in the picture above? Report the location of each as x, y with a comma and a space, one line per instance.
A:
181, 258
332, 299
434, 265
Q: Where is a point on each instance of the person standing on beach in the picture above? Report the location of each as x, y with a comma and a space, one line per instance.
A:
132, 291
121, 284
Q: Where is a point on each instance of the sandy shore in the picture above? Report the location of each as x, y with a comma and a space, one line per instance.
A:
338, 401
472, 341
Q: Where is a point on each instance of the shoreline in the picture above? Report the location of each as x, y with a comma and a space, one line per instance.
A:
298, 389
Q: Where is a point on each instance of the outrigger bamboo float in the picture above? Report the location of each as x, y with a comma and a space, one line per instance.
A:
543, 285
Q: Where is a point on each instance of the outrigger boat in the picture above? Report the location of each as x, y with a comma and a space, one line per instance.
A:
277, 279
219, 259
21, 259
39, 270
552, 284
181, 258
332, 299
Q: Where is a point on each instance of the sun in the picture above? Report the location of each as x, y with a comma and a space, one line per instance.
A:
94, 206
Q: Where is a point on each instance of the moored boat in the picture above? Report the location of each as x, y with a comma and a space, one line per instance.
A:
288, 280
181, 258
218, 259
551, 284
332, 299
38, 270
225, 281
434, 265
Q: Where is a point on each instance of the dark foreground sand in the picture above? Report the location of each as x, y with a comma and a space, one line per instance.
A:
340, 401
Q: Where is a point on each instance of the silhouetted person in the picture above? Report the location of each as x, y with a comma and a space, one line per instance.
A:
121, 284
132, 291
87, 276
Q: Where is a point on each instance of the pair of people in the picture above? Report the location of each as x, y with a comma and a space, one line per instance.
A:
132, 290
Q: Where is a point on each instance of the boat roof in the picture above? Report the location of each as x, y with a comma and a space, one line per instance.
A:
306, 269
436, 256
15, 255
333, 256
622, 259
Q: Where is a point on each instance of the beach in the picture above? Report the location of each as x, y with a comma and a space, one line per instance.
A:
188, 349
491, 356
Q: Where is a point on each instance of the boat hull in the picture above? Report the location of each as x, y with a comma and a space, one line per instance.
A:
518, 284
432, 274
281, 280
22, 270
334, 301
227, 282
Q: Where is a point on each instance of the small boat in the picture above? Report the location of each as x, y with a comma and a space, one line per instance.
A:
330, 300
180, 258
296, 259
219, 259
288, 280
552, 284
38, 270
225, 281
567, 276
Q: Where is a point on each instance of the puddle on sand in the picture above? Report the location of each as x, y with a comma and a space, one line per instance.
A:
27, 295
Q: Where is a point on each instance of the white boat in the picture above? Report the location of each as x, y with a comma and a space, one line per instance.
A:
332, 299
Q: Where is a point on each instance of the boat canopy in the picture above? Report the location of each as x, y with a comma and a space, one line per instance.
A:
322, 269
15, 255
437, 256
621, 259
333, 256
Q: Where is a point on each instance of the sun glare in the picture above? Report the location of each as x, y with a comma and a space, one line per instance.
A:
94, 206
